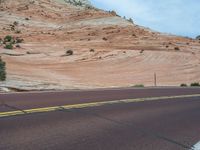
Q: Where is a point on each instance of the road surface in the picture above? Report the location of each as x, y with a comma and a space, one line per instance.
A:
169, 121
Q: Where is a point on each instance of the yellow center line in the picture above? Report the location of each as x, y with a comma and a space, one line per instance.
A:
92, 104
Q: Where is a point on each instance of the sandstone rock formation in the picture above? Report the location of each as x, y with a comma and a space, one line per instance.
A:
108, 51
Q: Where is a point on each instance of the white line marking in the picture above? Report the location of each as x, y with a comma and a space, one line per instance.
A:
196, 146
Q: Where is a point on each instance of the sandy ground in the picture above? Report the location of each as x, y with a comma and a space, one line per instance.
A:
124, 54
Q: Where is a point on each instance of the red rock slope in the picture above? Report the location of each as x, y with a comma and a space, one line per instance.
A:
108, 51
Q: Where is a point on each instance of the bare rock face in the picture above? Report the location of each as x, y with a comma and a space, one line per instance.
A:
108, 51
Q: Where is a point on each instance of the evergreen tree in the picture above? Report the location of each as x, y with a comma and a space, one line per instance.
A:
198, 37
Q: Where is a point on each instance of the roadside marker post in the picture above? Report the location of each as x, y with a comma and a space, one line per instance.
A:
155, 79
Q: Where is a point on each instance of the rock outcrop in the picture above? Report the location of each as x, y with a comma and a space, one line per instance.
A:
108, 51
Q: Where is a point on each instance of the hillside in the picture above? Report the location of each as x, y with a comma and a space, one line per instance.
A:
108, 51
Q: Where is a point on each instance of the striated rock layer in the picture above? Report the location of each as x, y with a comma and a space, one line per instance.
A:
108, 51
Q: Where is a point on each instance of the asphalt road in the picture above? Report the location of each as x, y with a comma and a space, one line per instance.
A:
150, 125
48, 99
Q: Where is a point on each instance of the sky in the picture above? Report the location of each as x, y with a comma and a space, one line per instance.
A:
179, 17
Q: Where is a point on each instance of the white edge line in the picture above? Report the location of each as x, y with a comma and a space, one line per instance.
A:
196, 146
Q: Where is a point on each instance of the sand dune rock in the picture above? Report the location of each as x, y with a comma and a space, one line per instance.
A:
124, 54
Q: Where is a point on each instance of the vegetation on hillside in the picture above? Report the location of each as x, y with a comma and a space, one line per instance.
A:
69, 52
195, 84
198, 37
183, 85
10, 41
2, 70
82, 3
130, 20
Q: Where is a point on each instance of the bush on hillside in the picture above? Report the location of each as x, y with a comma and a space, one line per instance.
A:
78, 3
104, 38
8, 46
92, 50
139, 85
2, 70
176, 48
1, 41
113, 13
130, 20
142, 51
18, 46
195, 84
8, 38
10, 42
183, 85
198, 37
69, 52
15, 23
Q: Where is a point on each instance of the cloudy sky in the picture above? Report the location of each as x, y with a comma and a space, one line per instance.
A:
181, 17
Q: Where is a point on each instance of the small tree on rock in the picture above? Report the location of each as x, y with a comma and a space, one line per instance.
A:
198, 37
130, 20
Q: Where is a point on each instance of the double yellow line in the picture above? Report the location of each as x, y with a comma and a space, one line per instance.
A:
93, 104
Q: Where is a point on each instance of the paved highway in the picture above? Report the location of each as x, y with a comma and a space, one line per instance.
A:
171, 123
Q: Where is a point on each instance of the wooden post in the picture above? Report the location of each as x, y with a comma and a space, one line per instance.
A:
155, 79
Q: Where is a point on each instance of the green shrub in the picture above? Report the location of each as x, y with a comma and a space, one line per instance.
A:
138, 85
15, 23
69, 52
2, 70
183, 85
134, 35
18, 46
195, 84
1, 41
92, 50
130, 20
9, 41
113, 13
8, 38
79, 3
198, 37
176, 48
142, 51
9, 46
104, 38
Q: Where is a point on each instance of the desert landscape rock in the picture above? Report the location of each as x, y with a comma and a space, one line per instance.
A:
108, 51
